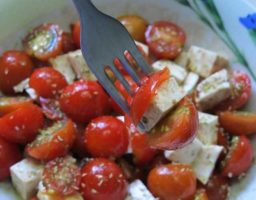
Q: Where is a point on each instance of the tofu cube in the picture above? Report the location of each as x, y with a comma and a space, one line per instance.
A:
25, 176
205, 62
168, 95
143, 47
208, 128
213, 90
176, 71
190, 82
205, 163
182, 59
185, 155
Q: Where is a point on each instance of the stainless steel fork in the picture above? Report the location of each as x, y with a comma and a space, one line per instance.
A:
104, 39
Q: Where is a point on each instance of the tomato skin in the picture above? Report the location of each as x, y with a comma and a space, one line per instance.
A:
67, 42
21, 125
53, 142
75, 28
106, 136
15, 66
103, 179
84, 100
9, 155
47, 82
172, 182
239, 159
177, 129
165, 39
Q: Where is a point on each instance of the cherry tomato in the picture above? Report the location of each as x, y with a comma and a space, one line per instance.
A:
44, 42
165, 39
241, 92
9, 155
136, 26
177, 129
237, 122
47, 82
53, 195
10, 104
103, 180
67, 43
84, 100
51, 108
239, 158
201, 195
15, 66
53, 142
78, 147
172, 182
62, 175
21, 125
75, 28
106, 136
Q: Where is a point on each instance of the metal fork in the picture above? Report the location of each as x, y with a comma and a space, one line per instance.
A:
104, 39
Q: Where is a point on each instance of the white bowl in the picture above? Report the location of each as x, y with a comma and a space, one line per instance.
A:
209, 30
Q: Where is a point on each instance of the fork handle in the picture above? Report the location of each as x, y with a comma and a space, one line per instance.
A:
85, 8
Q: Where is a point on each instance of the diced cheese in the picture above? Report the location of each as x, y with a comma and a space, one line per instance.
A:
138, 191
185, 155
190, 82
182, 59
168, 95
143, 46
121, 118
80, 66
21, 86
176, 71
208, 128
204, 165
31, 92
213, 90
26, 175
205, 62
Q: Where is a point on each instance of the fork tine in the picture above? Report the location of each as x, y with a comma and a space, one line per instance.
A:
146, 68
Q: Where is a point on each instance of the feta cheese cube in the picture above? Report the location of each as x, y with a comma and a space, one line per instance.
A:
143, 46
204, 165
25, 176
176, 71
19, 88
213, 90
205, 62
182, 59
190, 82
185, 155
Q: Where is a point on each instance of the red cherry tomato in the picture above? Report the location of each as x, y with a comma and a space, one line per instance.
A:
75, 28
53, 142
177, 129
21, 125
47, 82
67, 43
62, 175
15, 66
165, 39
172, 182
103, 180
44, 42
9, 155
239, 158
51, 109
106, 136
84, 100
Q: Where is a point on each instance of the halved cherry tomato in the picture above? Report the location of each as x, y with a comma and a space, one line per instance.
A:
9, 155
106, 136
51, 108
165, 39
53, 142
103, 180
10, 104
145, 94
238, 122
201, 195
67, 42
177, 129
44, 42
75, 28
21, 126
15, 66
62, 175
172, 182
84, 100
241, 92
47, 82
239, 158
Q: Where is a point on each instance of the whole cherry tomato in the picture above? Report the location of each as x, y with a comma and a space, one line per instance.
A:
67, 42
75, 28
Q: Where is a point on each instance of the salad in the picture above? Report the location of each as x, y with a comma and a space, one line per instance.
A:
63, 137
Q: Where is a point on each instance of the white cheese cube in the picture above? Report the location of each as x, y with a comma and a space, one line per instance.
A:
204, 165
168, 95
19, 88
190, 82
26, 175
176, 71
205, 62
138, 191
31, 93
143, 46
208, 128
185, 155
182, 59
213, 90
